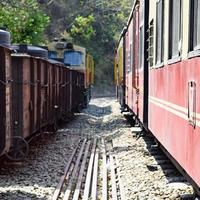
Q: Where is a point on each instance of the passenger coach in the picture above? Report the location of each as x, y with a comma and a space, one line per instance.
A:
160, 76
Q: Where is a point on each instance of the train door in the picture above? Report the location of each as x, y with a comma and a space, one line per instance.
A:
135, 75
146, 64
141, 63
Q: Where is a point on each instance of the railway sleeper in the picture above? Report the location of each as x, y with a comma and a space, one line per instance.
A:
171, 169
81, 173
89, 169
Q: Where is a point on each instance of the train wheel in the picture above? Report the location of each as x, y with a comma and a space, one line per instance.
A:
55, 126
19, 150
79, 108
65, 119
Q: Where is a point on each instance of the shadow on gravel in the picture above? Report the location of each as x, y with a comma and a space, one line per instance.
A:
123, 149
162, 160
116, 134
18, 195
98, 111
28, 172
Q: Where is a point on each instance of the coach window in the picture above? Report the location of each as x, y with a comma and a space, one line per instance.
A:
194, 25
141, 34
159, 31
174, 29
131, 57
150, 43
135, 15
141, 48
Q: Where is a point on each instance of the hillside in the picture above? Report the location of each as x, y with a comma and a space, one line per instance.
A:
95, 24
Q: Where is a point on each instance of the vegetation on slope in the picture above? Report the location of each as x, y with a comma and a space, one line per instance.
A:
24, 19
95, 24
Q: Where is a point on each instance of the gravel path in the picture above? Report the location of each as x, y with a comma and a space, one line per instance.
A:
37, 177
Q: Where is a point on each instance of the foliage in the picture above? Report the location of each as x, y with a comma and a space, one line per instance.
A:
94, 24
83, 28
109, 18
24, 19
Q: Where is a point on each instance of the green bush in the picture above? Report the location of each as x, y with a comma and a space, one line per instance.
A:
24, 20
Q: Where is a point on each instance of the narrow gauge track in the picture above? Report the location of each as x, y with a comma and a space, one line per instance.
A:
163, 162
89, 174
166, 165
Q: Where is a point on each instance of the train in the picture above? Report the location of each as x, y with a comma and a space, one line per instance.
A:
156, 70
37, 91
77, 58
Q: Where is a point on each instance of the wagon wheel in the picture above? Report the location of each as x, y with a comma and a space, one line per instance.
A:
65, 118
55, 126
19, 150
80, 107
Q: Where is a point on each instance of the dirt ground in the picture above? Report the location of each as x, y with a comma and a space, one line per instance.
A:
38, 176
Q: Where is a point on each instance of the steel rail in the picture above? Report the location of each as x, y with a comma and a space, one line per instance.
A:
121, 185
95, 176
89, 173
68, 190
79, 182
104, 186
63, 178
113, 178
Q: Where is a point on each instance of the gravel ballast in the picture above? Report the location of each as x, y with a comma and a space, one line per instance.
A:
38, 176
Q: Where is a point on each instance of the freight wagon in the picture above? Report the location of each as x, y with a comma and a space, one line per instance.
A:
36, 92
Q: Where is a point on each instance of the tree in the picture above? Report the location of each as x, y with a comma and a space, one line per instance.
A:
82, 28
24, 19
94, 24
109, 18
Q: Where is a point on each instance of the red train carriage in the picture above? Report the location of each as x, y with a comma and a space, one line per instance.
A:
174, 81
132, 60
161, 79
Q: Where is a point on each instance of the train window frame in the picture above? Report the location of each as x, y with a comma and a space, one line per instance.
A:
127, 53
151, 44
131, 58
159, 58
141, 46
131, 48
135, 21
77, 53
194, 49
173, 56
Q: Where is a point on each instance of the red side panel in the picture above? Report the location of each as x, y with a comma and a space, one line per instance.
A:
129, 57
173, 93
135, 107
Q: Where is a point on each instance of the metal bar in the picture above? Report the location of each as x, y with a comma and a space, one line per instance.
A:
95, 175
79, 182
121, 185
60, 185
89, 173
104, 185
113, 179
68, 191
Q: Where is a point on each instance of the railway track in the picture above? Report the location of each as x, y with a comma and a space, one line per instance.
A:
89, 174
163, 163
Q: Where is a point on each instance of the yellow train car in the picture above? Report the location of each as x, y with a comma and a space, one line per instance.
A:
75, 57
118, 71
